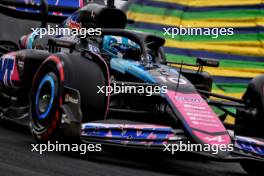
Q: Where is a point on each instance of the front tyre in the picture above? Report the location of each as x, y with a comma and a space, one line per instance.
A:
251, 120
44, 112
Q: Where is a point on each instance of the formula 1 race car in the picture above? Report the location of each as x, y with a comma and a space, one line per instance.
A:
117, 88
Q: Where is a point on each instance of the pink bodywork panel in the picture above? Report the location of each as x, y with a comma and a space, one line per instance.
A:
198, 116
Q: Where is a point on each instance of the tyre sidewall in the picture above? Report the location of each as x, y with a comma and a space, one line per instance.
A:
50, 128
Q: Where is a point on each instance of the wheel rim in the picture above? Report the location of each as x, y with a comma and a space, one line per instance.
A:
45, 97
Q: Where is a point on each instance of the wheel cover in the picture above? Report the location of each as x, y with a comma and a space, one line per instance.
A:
45, 97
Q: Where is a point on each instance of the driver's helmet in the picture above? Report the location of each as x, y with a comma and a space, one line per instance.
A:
121, 47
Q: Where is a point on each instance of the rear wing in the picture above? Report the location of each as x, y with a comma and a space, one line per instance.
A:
53, 11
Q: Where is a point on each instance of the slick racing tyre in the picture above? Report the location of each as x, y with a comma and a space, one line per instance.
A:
251, 119
252, 123
254, 96
45, 103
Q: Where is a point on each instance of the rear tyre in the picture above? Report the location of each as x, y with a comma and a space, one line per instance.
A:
45, 115
251, 120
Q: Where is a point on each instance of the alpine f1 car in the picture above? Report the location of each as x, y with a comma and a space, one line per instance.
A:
59, 85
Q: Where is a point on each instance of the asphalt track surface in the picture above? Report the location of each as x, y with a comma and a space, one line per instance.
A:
16, 157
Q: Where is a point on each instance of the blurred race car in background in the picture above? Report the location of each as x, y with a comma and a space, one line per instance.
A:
59, 86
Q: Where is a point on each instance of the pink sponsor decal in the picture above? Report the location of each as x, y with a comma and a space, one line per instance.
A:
198, 115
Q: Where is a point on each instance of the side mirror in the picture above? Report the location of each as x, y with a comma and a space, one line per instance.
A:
207, 62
